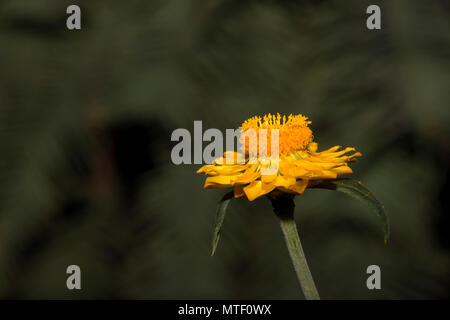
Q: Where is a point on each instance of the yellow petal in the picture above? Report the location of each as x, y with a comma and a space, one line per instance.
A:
203, 169
299, 187
268, 178
214, 170
332, 149
312, 147
220, 181
337, 154
284, 181
249, 175
343, 170
257, 189
324, 174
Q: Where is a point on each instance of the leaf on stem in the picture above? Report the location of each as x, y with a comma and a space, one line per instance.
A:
357, 190
220, 216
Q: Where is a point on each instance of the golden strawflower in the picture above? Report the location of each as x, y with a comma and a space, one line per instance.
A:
300, 165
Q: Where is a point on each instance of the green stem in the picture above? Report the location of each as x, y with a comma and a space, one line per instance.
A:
284, 209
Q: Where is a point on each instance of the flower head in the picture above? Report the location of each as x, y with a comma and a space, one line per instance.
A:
299, 165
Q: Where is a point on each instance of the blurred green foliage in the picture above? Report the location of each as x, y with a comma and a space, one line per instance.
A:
85, 124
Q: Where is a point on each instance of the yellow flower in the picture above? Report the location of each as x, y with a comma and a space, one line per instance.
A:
299, 164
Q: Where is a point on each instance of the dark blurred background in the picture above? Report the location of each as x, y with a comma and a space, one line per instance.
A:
85, 124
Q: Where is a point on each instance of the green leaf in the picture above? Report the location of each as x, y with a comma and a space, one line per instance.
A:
220, 216
357, 190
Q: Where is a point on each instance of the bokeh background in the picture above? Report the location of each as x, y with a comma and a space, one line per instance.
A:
85, 124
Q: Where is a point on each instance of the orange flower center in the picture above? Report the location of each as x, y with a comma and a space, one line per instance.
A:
293, 134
